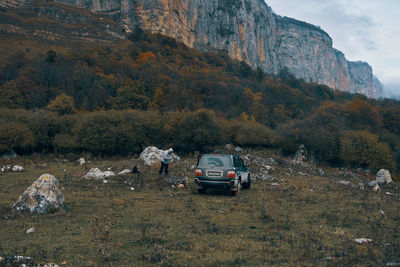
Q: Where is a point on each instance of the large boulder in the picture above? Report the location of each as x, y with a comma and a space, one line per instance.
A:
96, 173
383, 177
18, 168
152, 155
42, 196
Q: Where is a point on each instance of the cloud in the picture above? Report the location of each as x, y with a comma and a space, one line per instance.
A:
365, 30
352, 27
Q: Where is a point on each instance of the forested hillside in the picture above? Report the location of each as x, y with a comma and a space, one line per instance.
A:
150, 90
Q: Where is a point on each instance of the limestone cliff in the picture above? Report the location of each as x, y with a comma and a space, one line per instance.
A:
248, 30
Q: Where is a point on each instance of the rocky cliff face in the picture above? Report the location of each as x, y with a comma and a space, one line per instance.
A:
248, 30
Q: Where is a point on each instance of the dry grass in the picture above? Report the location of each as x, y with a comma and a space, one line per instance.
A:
303, 221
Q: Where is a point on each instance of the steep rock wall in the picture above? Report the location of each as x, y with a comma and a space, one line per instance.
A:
248, 30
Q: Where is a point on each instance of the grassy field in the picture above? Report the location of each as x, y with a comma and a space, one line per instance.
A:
295, 220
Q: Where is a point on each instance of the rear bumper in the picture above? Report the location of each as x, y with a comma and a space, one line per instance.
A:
203, 182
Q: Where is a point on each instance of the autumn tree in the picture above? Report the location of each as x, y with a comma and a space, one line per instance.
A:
62, 104
363, 149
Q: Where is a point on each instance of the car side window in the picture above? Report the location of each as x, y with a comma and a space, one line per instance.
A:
242, 163
236, 162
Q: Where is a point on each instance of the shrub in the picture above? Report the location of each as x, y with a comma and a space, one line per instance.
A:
248, 133
117, 132
200, 131
363, 149
102, 132
15, 136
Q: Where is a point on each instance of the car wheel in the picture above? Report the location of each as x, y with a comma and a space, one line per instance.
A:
247, 184
237, 189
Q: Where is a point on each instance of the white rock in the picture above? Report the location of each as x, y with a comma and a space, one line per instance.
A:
132, 188
229, 147
383, 176
41, 196
96, 173
181, 186
152, 155
30, 230
344, 182
81, 161
362, 240
105, 181
125, 172
18, 168
274, 184
238, 149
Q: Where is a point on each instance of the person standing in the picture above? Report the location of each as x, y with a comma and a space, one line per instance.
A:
165, 161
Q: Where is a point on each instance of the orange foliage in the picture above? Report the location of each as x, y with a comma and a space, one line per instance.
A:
144, 57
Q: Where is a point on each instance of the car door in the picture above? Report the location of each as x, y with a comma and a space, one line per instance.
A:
244, 172
239, 167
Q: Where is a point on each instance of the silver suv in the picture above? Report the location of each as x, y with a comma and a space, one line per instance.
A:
222, 171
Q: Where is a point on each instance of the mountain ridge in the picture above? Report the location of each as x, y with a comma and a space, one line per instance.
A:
249, 31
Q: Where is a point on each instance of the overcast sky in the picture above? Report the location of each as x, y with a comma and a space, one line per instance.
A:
366, 30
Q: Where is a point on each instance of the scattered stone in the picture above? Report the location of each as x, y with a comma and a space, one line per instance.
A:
15, 261
382, 212
192, 167
238, 149
304, 174
152, 155
105, 181
18, 168
125, 172
346, 183
362, 240
96, 173
30, 230
81, 161
266, 177
320, 172
373, 183
229, 147
176, 181
274, 184
393, 264
42, 196
42, 165
181, 186
6, 168
383, 176
132, 189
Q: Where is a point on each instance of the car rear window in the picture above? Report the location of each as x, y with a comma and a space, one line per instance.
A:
209, 161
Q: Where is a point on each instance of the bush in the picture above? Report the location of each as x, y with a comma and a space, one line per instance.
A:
117, 132
15, 136
247, 133
200, 131
363, 149
321, 141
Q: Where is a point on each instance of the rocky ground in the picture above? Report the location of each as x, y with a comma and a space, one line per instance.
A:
294, 214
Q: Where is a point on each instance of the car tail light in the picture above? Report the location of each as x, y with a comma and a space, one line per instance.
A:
230, 174
199, 172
